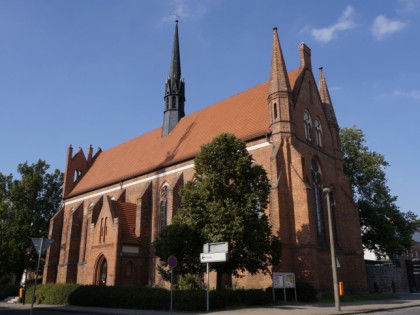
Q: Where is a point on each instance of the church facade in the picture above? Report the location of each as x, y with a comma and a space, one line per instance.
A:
115, 202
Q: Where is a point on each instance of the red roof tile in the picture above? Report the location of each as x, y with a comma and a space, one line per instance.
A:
244, 114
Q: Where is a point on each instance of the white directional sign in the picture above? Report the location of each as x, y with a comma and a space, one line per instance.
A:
213, 257
221, 247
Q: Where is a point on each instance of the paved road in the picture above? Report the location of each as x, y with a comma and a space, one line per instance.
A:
406, 304
405, 311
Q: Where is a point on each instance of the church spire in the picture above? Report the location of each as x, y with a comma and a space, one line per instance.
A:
174, 90
175, 71
280, 94
279, 79
329, 110
323, 89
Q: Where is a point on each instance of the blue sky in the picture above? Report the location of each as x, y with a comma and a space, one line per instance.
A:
87, 72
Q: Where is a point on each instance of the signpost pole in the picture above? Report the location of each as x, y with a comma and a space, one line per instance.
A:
207, 289
327, 191
172, 262
36, 277
284, 290
172, 281
274, 296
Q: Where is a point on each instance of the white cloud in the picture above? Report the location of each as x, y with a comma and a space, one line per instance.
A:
409, 5
185, 9
382, 26
345, 22
414, 94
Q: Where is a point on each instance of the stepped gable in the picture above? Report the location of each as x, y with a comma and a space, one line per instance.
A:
126, 214
244, 114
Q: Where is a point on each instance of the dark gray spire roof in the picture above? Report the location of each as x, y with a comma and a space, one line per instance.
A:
175, 71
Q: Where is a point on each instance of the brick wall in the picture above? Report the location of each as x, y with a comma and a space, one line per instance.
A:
387, 278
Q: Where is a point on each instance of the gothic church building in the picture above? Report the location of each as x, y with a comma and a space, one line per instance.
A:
116, 201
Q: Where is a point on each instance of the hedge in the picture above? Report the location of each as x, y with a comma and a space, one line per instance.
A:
157, 298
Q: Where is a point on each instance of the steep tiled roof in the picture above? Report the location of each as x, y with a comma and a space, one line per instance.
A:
244, 114
126, 214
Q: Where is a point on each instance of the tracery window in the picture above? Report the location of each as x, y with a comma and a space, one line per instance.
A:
318, 132
308, 125
319, 210
163, 206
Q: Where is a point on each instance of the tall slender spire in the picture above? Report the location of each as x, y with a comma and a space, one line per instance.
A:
329, 111
323, 88
280, 96
279, 79
175, 71
174, 90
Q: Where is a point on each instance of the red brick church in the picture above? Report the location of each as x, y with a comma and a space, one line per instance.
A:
116, 201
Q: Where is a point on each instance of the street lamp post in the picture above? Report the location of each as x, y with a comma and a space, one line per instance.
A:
327, 191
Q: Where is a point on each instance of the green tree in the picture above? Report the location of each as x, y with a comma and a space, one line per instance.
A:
183, 242
26, 206
226, 202
385, 229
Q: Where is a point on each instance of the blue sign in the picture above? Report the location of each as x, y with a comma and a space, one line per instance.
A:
172, 262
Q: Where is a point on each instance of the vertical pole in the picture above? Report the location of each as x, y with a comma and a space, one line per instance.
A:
36, 277
274, 295
284, 290
172, 281
207, 289
332, 249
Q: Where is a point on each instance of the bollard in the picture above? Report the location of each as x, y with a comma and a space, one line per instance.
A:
341, 288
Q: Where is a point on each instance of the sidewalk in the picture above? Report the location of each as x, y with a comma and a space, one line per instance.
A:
404, 301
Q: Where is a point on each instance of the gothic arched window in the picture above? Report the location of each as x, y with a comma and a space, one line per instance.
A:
319, 210
308, 125
318, 132
163, 206
103, 272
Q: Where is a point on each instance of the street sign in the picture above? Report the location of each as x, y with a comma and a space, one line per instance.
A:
172, 262
221, 247
213, 257
213, 252
41, 244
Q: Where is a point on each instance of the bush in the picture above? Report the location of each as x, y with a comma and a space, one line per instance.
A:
7, 290
121, 297
148, 298
52, 294
189, 282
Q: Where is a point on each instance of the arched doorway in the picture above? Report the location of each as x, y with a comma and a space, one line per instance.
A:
101, 271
